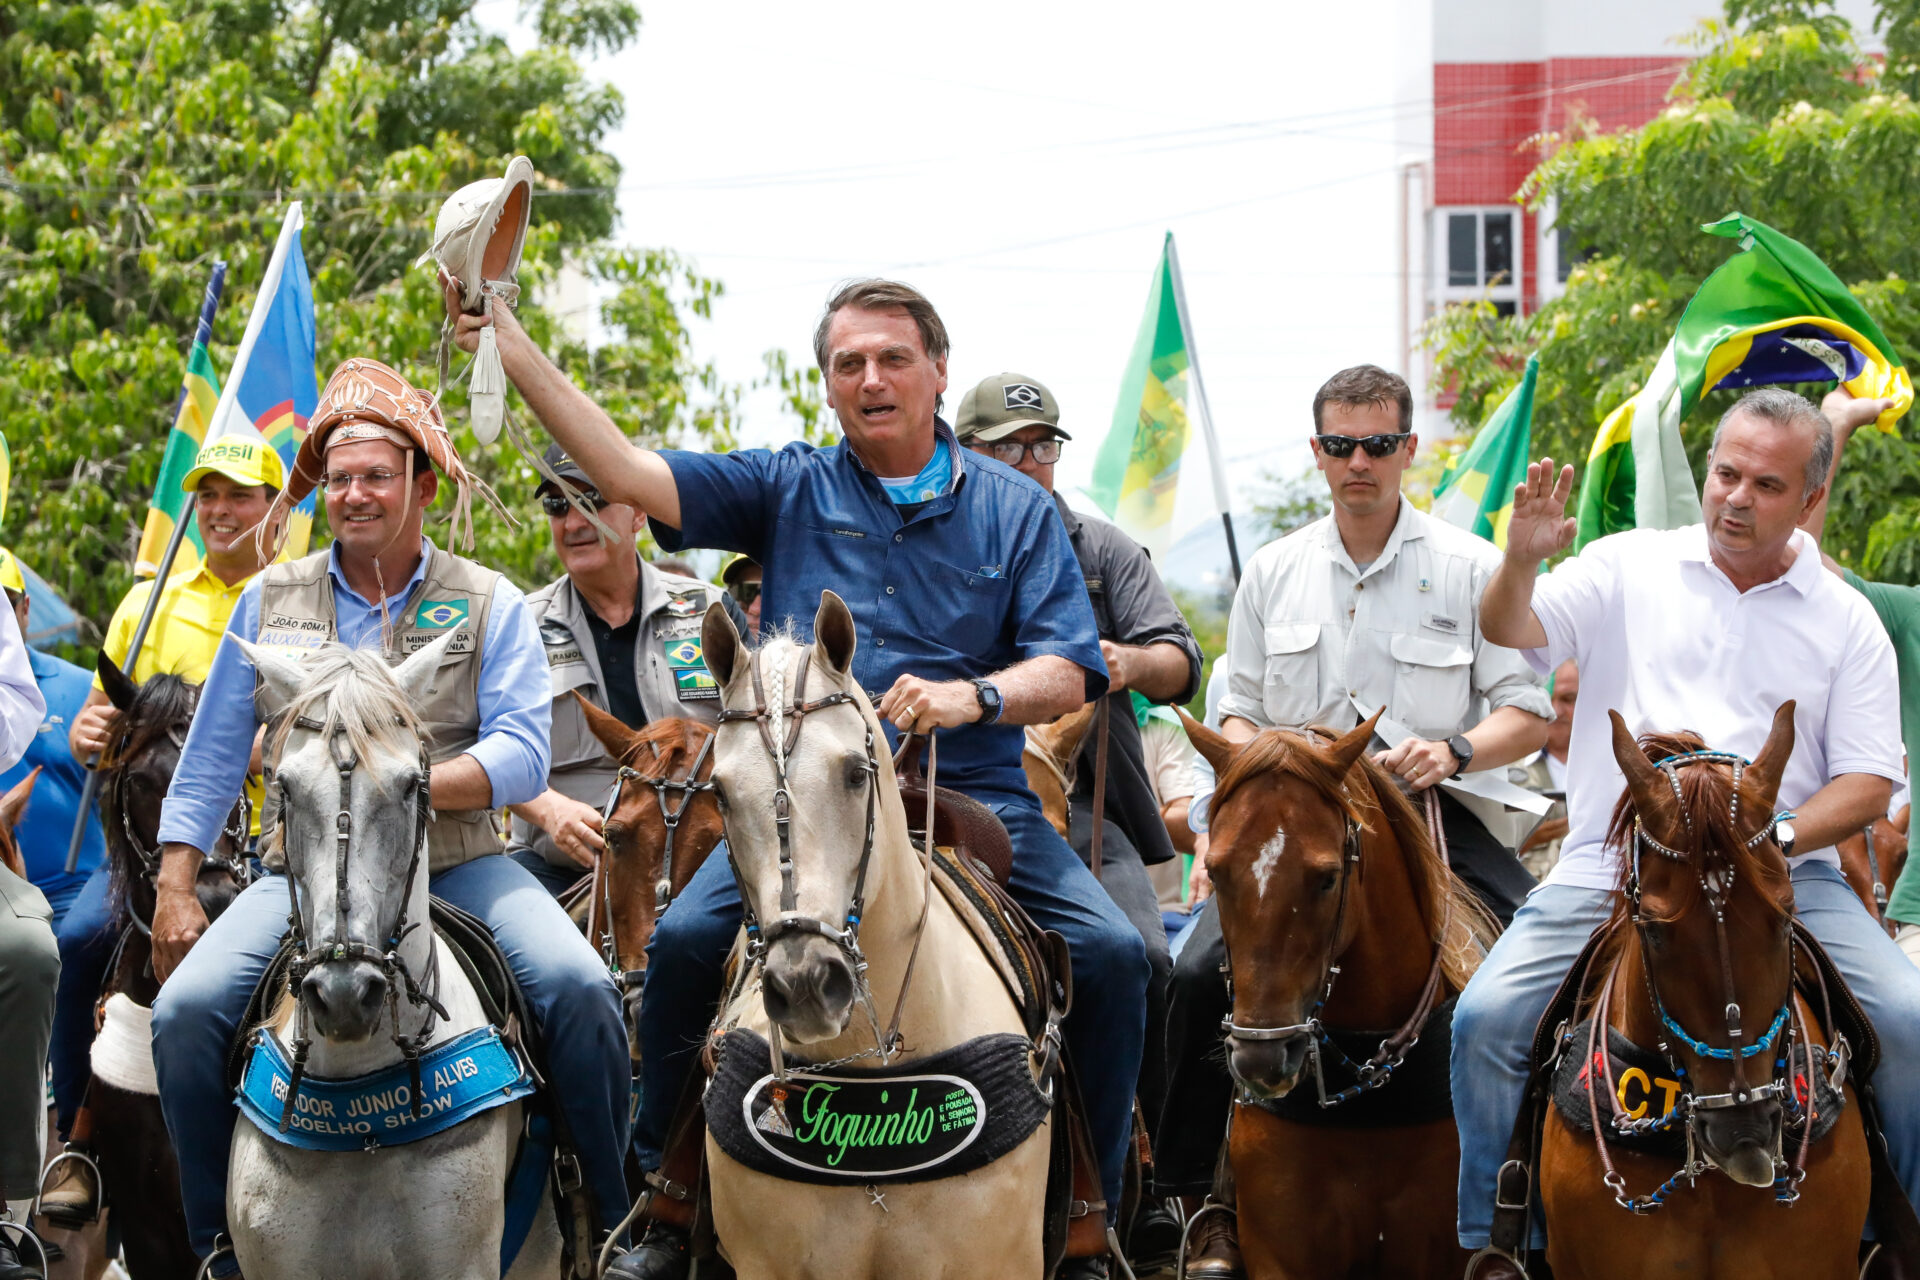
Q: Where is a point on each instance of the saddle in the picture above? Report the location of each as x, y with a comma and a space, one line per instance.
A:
960, 822
1559, 1036
546, 1158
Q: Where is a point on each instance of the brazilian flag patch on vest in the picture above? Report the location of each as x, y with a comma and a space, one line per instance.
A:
691, 679
441, 614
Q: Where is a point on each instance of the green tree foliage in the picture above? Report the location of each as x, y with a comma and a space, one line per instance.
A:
142, 139
1781, 117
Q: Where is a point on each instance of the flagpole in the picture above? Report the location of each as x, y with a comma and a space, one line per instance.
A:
203, 333
1220, 496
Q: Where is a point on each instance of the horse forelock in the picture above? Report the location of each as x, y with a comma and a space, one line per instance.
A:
1366, 795
352, 691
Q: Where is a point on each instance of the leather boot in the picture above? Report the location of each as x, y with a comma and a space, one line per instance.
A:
15, 1263
660, 1255
1084, 1269
1213, 1248
1153, 1245
70, 1189
1490, 1265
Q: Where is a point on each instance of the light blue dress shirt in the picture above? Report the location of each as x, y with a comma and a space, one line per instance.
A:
515, 694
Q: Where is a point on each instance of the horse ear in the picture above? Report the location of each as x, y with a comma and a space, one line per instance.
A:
1349, 746
1764, 774
280, 676
719, 643
1213, 747
614, 733
14, 803
421, 668
1642, 777
121, 690
833, 636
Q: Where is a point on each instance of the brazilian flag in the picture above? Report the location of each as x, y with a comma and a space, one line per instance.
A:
1772, 313
199, 394
1476, 493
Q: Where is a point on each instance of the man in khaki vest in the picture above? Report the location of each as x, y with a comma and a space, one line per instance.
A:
626, 637
378, 449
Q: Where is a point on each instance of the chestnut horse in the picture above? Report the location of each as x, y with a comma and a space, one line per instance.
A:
1699, 963
1338, 916
1872, 862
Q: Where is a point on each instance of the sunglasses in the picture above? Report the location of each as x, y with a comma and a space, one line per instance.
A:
557, 506
1376, 446
744, 593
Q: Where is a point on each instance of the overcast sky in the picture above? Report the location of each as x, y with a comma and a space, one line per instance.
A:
1019, 163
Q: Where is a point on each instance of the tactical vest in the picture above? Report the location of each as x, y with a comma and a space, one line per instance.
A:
669, 669
297, 616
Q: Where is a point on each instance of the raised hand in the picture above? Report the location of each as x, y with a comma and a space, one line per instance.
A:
1540, 526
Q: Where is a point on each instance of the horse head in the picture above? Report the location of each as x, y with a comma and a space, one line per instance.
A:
144, 740
802, 782
661, 824
12, 805
1706, 895
350, 774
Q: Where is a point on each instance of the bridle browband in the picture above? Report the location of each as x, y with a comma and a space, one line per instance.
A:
662, 784
419, 993
1377, 1070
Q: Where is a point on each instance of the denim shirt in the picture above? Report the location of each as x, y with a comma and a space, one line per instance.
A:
979, 578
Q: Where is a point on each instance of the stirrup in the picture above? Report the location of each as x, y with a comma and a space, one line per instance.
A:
23, 1234
1207, 1206
221, 1244
79, 1155
1490, 1251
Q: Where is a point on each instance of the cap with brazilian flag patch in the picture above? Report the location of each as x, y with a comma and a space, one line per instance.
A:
244, 459
998, 406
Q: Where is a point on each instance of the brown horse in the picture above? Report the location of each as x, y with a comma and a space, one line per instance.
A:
1048, 759
1339, 917
1700, 938
1872, 862
12, 805
661, 824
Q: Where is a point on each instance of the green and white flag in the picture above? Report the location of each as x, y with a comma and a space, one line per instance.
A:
1772, 313
1137, 472
1477, 491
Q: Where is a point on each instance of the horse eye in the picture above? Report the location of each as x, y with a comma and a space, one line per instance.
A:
1329, 881
856, 774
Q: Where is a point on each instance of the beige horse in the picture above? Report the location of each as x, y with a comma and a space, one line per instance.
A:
986, 1223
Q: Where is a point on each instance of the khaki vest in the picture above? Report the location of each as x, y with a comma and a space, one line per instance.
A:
669, 669
297, 616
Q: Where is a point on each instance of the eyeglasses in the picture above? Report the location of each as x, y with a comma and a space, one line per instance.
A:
338, 482
557, 506
1376, 446
1045, 452
744, 593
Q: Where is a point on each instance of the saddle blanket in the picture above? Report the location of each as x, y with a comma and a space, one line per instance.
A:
467, 1075
1420, 1091
123, 1051
936, 1117
1645, 1086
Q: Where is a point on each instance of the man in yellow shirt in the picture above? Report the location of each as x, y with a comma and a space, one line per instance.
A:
234, 482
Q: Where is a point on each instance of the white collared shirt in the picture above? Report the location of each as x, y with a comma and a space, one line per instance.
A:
1312, 635
1664, 637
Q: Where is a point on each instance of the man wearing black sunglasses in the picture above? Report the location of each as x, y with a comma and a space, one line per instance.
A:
627, 638
1376, 606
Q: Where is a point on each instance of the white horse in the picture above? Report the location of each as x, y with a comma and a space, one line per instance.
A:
805, 992
436, 1206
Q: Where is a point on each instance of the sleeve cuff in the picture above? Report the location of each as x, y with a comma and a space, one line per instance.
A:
1530, 698
510, 768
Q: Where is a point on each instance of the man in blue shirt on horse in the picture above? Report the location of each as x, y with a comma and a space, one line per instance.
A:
972, 618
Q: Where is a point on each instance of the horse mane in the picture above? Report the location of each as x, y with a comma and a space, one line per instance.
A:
352, 691
161, 704
1706, 789
1456, 921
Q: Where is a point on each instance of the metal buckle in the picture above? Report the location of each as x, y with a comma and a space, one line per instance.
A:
566, 1172
668, 1187
1499, 1190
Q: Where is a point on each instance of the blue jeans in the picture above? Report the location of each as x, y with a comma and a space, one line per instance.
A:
86, 949
555, 880
1105, 1032
1494, 1023
575, 1009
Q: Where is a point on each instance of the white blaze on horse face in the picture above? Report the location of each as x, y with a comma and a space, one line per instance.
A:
1268, 859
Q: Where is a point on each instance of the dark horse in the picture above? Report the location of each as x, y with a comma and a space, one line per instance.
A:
129, 1136
1699, 959
661, 823
1347, 937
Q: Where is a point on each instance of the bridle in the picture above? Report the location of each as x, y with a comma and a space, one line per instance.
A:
419, 993
1377, 1070
663, 785
238, 826
791, 920
1716, 878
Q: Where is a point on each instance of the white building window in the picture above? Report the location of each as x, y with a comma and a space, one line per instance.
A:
1478, 255
1558, 253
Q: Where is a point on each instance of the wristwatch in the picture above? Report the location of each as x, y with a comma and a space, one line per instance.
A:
1783, 833
1462, 751
989, 695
